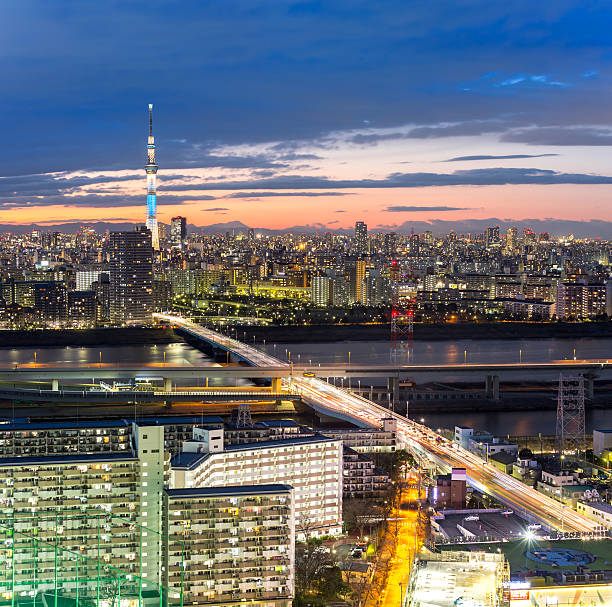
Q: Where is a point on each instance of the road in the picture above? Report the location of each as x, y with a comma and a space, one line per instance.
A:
524, 500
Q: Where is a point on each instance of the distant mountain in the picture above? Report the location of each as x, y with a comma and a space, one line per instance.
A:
595, 228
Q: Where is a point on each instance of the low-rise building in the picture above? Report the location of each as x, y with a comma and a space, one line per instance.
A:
463, 434
484, 445
450, 490
503, 461
597, 511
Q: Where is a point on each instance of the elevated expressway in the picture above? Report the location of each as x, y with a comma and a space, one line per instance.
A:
419, 439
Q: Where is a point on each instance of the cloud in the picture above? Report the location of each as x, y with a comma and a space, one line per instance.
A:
504, 157
418, 209
215, 209
530, 81
555, 135
340, 211
485, 176
457, 129
273, 194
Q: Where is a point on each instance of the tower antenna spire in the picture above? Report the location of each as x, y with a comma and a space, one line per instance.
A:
150, 120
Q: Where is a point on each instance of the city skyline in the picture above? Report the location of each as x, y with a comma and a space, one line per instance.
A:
335, 113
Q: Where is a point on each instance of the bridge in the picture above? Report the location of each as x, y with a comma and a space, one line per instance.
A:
144, 396
276, 369
421, 440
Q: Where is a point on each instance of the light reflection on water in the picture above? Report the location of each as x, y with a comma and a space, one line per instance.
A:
526, 423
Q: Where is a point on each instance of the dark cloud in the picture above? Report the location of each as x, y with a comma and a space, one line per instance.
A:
273, 194
311, 72
504, 157
294, 156
215, 209
403, 208
584, 136
486, 176
340, 211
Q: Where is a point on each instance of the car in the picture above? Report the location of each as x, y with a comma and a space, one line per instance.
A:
308, 374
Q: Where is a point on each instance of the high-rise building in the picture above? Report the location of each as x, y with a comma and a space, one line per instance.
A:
82, 307
151, 170
580, 300
131, 277
361, 237
178, 231
511, 239
415, 245
50, 300
492, 235
357, 275
85, 277
322, 290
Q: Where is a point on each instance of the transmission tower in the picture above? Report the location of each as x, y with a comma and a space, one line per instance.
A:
401, 320
241, 417
570, 413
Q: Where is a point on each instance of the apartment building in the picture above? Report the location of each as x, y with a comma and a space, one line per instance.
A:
362, 479
367, 440
92, 505
23, 438
312, 465
228, 545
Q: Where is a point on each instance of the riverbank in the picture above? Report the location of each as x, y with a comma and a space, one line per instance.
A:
428, 332
41, 338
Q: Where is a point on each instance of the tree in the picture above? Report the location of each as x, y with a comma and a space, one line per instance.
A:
310, 563
358, 513
525, 453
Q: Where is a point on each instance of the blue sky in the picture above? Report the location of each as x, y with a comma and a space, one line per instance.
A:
308, 94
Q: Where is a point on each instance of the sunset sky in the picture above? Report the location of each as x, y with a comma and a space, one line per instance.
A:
317, 113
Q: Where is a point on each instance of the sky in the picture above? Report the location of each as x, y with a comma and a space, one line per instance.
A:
312, 114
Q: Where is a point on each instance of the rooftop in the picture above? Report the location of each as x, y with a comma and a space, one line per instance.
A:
243, 490
601, 506
67, 459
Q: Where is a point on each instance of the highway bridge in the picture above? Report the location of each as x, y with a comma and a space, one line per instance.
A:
279, 369
524, 500
144, 396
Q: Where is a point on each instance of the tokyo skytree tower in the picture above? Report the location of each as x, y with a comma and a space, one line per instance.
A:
151, 169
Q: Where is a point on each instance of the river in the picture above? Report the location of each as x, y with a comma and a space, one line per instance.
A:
524, 423
436, 352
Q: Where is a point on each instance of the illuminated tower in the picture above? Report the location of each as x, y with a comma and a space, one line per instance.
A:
151, 169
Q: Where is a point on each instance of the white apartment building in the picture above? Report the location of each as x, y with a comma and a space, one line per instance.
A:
86, 277
312, 465
227, 545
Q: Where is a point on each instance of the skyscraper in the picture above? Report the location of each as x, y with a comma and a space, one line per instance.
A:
131, 277
361, 237
492, 235
151, 170
178, 231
